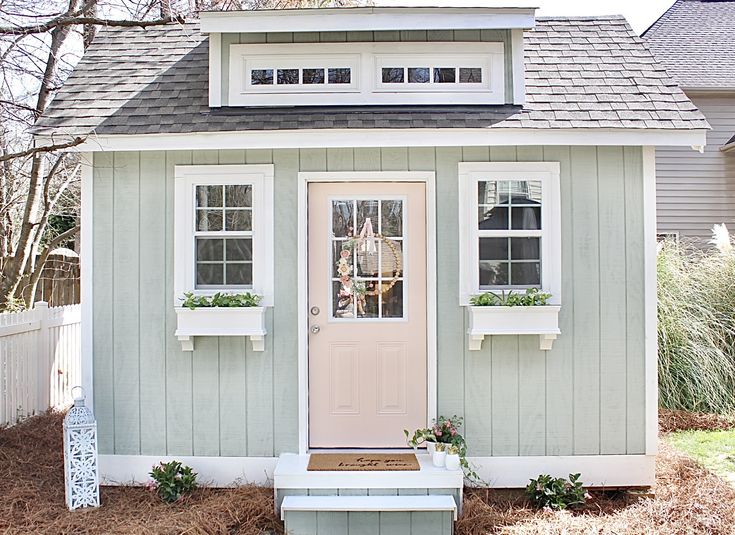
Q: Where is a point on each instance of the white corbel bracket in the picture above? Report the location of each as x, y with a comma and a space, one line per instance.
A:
257, 342
546, 341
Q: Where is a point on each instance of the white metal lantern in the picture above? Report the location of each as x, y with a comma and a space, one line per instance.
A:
80, 456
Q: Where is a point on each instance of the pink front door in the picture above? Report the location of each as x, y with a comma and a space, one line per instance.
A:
367, 313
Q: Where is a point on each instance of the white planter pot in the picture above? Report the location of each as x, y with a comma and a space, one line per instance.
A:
430, 447
220, 321
502, 320
452, 461
439, 458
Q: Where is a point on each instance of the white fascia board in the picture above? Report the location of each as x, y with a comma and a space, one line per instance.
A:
408, 137
367, 19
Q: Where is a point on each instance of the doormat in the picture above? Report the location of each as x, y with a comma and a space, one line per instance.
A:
367, 462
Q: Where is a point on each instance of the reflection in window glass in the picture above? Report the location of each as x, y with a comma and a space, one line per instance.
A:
340, 76
312, 76
392, 75
470, 75
288, 76
445, 75
261, 76
418, 75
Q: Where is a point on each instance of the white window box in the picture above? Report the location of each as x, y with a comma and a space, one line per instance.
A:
220, 321
504, 320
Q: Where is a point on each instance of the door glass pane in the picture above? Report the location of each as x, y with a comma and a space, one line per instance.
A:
367, 258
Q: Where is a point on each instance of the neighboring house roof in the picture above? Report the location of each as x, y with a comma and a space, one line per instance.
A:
580, 73
695, 41
729, 145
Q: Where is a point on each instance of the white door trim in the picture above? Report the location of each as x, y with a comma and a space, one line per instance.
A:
304, 178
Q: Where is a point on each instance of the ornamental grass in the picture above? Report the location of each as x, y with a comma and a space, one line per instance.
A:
696, 327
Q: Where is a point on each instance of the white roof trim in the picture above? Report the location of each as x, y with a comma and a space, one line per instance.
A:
367, 19
408, 137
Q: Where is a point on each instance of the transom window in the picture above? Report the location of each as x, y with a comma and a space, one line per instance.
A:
510, 238
428, 75
223, 229
294, 76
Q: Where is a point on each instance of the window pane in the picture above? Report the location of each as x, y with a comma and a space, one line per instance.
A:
470, 75
239, 274
261, 76
239, 195
487, 192
418, 75
392, 75
313, 76
209, 220
393, 301
210, 249
288, 76
210, 274
525, 248
527, 217
444, 75
392, 218
493, 274
209, 196
340, 76
239, 249
493, 218
238, 220
494, 249
525, 274
342, 218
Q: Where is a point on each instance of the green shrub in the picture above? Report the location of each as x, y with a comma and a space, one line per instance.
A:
171, 481
531, 298
696, 328
556, 492
247, 299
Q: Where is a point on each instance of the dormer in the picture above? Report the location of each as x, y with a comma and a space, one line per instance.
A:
367, 56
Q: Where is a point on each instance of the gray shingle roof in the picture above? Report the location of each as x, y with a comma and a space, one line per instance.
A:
695, 41
581, 73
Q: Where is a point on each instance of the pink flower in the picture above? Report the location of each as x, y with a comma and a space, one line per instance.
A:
438, 433
454, 432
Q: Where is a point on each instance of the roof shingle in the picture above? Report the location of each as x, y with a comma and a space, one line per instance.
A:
580, 73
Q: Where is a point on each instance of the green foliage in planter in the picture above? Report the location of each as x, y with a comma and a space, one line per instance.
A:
531, 298
171, 481
696, 328
556, 492
192, 301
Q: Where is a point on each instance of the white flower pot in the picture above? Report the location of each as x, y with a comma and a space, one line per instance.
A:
452, 461
439, 458
430, 448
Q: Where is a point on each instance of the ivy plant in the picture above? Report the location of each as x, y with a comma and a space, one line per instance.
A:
532, 297
171, 481
556, 492
192, 301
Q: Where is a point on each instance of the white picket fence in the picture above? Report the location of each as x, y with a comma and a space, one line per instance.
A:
40, 359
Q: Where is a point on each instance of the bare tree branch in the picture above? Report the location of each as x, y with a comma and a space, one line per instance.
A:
46, 148
72, 21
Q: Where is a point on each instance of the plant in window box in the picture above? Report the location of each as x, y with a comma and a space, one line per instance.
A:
513, 313
220, 314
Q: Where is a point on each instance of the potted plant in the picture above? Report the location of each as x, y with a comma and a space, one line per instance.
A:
513, 313
444, 432
452, 461
220, 315
440, 454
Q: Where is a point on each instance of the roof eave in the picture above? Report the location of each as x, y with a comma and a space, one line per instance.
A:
367, 19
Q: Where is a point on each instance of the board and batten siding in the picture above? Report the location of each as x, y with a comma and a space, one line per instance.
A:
493, 36
696, 191
585, 396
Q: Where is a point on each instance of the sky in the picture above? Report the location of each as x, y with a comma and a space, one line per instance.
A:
640, 13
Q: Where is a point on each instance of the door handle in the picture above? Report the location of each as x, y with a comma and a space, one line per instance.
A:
314, 329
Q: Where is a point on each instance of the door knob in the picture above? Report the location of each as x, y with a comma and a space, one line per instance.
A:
315, 329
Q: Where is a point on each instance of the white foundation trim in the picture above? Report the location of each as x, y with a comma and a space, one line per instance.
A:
389, 137
650, 299
87, 281
304, 178
212, 471
596, 470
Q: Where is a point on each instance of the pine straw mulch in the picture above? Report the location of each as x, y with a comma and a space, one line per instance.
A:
688, 499
671, 420
32, 496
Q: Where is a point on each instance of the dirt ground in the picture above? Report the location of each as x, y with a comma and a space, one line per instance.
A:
688, 500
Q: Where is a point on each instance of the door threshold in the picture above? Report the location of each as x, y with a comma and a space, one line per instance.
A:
364, 450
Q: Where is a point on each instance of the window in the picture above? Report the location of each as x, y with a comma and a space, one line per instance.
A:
420, 75
310, 76
510, 233
431, 72
223, 229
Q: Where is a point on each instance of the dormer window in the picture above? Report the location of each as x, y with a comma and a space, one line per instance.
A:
367, 73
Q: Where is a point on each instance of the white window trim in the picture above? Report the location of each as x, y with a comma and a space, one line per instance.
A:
482, 61
261, 178
365, 60
470, 173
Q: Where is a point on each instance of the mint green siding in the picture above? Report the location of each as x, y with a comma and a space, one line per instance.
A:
585, 396
502, 36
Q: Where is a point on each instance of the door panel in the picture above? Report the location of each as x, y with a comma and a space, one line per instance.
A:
367, 303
